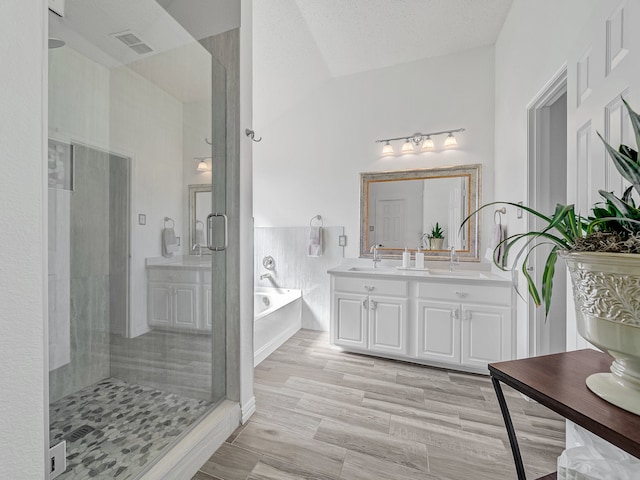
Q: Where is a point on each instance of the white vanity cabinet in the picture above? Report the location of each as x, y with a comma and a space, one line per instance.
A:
174, 299
370, 314
457, 322
465, 324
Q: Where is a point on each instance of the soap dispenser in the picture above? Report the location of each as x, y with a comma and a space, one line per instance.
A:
419, 258
406, 258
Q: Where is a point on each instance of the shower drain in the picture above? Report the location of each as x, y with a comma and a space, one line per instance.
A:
79, 433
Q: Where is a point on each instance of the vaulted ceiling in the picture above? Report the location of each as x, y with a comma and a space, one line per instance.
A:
358, 35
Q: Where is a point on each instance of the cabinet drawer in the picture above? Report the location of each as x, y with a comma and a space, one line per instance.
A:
172, 275
465, 293
374, 286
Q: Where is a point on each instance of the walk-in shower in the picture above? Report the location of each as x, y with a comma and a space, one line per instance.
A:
129, 91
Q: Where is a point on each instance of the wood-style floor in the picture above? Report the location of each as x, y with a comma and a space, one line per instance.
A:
323, 414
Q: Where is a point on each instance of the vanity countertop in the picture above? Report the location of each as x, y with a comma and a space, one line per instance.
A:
180, 262
434, 271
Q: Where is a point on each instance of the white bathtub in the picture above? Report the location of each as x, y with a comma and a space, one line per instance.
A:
277, 316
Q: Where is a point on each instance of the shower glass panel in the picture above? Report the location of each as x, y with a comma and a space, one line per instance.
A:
133, 100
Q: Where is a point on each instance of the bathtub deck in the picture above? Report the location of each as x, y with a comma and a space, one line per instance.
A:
329, 415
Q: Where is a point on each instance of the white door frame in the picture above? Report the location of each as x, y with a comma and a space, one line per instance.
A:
537, 146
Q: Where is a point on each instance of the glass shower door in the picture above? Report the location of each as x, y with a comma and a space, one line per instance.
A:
137, 320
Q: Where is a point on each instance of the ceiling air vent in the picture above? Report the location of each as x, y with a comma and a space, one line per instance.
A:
133, 42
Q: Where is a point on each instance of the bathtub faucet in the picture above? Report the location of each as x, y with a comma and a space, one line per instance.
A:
199, 247
265, 275
374, 250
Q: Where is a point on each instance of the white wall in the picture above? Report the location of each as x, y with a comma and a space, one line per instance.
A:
247, 400
195, 128
535, 42
23, 406
146, 124
310, 158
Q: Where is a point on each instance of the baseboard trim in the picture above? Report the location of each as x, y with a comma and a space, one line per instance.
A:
248, 409
192, 451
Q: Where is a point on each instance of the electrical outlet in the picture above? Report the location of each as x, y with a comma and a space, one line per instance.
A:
142, 219
178, 240
342, 240
519, 210
57, 460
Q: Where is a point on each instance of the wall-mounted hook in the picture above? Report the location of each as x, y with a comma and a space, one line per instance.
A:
207, 140
251, 134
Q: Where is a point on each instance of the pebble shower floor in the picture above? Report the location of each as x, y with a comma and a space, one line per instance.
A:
114, 429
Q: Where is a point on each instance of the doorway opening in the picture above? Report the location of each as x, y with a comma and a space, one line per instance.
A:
547, 179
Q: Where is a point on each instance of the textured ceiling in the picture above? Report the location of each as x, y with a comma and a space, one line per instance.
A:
359, 35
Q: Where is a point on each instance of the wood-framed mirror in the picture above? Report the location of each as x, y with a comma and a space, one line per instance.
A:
199, 208
400, 209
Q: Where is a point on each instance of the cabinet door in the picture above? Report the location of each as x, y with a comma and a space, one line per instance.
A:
438, 331
159, 304
388, 325
486, 334
349, 326
186, 302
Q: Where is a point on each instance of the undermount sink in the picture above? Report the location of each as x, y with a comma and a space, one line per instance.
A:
369, 269
457, 273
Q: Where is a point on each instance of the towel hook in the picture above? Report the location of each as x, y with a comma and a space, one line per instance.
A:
317, 217
499, 212
207, 140
168, 219
251, 134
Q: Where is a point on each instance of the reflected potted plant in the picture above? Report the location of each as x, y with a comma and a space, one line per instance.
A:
602, 252
435, 237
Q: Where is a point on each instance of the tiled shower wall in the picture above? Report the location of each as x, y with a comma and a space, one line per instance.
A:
294, 269
97, 246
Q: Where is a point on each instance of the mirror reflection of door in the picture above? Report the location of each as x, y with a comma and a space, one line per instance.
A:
390, 223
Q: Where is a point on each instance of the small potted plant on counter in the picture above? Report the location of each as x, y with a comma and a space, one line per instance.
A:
602, 252
436, 237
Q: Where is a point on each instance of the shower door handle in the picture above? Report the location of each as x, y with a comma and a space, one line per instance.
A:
217, 248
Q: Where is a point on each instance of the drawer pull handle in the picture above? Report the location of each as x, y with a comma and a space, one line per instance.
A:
374, 305
467, 315
365, 304
462, 294
369, 288
455, 314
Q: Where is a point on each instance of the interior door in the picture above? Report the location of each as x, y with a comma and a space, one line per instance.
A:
390, 223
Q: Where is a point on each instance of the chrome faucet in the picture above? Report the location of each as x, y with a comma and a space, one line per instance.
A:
199, 247
452, 262
374, 250
265, 275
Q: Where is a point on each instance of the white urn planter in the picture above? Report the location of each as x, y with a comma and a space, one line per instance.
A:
606, 290
435, 243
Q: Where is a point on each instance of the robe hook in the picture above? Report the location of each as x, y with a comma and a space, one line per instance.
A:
251, 134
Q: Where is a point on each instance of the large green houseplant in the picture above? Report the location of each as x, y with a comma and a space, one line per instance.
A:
602, 251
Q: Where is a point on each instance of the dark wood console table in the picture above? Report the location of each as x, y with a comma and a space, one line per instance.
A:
558, 382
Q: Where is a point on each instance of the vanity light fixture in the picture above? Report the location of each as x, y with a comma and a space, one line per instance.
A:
407, 147
202, 164
416, 139
450, 141
387, 149
428, 144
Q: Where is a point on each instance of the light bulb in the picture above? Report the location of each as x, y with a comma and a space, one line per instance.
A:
450, 141
407, 147
428, 144
387, 149
202, 166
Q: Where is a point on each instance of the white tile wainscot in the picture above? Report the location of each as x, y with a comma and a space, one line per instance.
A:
179, 293
462, 319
